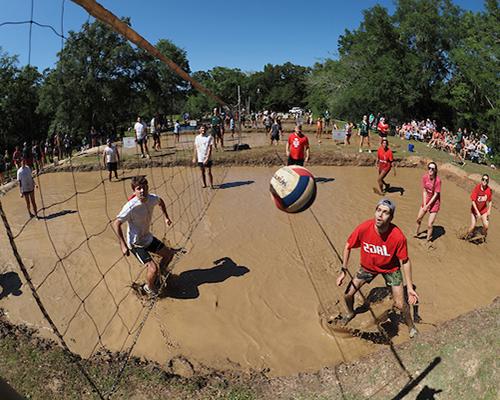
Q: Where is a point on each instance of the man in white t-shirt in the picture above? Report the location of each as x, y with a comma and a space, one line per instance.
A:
141, 137
155, 132
111, 158
138, 212
203, 145
27, 186
177, 131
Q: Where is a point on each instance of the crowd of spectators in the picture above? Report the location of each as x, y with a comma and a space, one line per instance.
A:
462, 144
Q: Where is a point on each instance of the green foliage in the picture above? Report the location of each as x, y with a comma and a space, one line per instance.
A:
429, 59
19, 88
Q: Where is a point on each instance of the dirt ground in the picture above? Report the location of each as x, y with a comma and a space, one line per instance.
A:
255, 283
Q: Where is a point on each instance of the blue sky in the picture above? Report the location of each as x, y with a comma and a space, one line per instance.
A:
235, 34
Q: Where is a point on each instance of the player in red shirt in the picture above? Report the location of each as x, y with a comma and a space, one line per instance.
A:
383, 251
383, 129
297, 147
431, 199
481, 205
385, 160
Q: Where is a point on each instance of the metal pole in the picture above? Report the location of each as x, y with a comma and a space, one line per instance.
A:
239, 117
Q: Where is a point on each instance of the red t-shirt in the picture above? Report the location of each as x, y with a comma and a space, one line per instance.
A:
297, 145
379, 253
480, 197
385, 158
431, 187
382, 128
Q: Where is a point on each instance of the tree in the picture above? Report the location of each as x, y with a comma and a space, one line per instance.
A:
19, 89
94, 83
162, 90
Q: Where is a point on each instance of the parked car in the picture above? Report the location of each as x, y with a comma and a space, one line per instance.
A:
296, 111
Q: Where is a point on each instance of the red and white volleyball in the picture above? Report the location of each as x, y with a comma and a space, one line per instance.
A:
293, 189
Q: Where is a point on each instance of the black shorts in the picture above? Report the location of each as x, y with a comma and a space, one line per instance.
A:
275, 136
144, 140
292, 161
112, 166
156, 136
207, 165
363, 134
217, 131
142, 253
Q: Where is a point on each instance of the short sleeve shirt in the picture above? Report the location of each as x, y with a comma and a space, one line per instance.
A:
203, 144
385, 158
139, 130
25, 179
297, 146
111, 154
216, 121
379, 253
431, 187
481, 198
139, 215
275, 129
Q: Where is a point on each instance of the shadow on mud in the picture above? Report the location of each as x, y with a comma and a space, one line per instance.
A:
186, 284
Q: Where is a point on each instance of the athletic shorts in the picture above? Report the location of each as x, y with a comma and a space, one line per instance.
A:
384, 169
142, 253
275, 137
217, 131
144, 140
112, 166
207, 165
26, 193
156, 136
363, 134
292, 161
391, 279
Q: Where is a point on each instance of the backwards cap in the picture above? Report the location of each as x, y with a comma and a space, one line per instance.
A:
389, 204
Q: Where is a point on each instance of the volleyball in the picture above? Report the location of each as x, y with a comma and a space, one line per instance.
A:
293, 189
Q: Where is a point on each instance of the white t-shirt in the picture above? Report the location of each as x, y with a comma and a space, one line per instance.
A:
203, 144
140, 130
153, 126
111, 154
25, 179
177, 127
139, 215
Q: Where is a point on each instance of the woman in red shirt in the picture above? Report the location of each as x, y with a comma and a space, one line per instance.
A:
481, 205
383, 129
431, 199
384, 163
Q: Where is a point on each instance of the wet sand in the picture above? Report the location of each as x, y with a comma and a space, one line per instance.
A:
254, 281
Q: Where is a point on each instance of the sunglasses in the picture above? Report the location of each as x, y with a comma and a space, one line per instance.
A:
431, 168
485, 179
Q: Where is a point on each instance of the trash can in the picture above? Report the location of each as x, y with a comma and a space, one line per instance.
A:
411, 147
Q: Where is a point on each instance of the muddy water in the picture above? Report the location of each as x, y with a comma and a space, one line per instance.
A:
255, 280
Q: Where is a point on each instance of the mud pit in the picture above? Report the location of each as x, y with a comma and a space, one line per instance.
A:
254, 282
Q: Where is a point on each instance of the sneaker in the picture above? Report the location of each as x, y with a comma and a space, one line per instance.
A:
143, 156
413, 333
369, 151
149, 291
360, 150
346, 319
